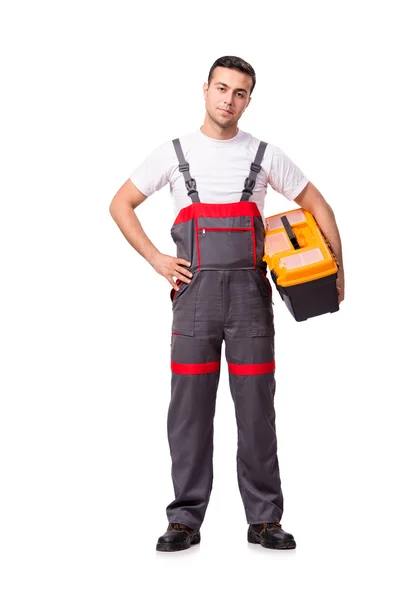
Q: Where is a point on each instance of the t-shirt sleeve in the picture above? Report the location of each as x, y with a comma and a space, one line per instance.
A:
285, 176
153, 173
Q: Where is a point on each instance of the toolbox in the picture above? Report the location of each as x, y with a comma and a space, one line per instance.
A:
302, 264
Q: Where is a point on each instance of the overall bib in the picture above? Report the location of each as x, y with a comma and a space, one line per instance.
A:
228, 298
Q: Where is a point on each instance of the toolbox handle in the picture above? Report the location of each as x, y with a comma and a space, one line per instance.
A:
290, 232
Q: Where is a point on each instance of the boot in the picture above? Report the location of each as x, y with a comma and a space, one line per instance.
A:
177, 537
270, 535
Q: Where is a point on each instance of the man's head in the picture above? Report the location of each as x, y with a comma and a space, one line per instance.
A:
231, 81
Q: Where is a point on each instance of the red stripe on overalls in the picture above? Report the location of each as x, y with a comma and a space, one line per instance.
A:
232, 209
195, 368
256, 369
253, 233
197, 241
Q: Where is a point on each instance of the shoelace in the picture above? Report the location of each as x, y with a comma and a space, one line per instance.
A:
270, 526
178, 526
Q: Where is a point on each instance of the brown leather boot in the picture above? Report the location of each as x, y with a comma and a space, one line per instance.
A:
270, 535
177, 537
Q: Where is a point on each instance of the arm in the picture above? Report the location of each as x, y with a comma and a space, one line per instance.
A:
122, 210
312, 200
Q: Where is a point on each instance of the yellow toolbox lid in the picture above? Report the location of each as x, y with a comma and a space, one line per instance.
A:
296, 249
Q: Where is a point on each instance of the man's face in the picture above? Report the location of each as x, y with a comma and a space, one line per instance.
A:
230, 90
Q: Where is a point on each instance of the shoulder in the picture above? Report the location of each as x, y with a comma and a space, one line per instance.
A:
164, 153
164, 149
187, 141
252, 144
166, 146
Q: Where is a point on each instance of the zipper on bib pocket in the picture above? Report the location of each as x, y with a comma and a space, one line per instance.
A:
203, 229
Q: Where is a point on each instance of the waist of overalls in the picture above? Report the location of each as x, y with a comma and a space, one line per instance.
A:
220, 236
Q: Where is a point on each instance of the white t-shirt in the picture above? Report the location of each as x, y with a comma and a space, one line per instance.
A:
220, 168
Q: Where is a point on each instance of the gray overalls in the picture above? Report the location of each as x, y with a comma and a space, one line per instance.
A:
228, 298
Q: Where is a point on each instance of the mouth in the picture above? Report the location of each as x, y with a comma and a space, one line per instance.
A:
227, 112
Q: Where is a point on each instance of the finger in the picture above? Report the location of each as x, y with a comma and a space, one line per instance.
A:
182, 261
184, 272
339, 292
172, 282
182, 277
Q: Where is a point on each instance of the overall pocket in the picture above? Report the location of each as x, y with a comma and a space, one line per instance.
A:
184, 307
174, 292
223, 247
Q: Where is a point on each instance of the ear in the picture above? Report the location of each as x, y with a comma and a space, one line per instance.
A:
248, 102
205, 90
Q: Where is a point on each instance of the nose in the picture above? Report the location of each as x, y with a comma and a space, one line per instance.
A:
228, 98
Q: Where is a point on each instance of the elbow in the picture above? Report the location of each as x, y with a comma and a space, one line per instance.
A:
119, 208
115, 210
326, 208
114, 207
111, 209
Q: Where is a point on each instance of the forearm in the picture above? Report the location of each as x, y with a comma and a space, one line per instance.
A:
325, 218
129, 224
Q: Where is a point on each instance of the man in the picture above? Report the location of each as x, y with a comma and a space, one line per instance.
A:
218, 177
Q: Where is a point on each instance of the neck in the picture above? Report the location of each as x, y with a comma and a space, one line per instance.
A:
213, 130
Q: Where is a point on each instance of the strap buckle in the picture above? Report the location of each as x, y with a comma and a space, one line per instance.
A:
184, 167
255, 168
249, 184
191, 186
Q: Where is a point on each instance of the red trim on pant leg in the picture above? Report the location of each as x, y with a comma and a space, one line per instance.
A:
195, 368
256, 369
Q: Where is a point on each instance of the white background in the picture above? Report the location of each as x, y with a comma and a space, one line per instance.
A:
88, 90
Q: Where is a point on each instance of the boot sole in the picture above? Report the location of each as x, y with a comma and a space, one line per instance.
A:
253, 538
171, 547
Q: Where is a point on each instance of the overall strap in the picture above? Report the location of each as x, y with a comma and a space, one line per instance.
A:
184, 168
255, 168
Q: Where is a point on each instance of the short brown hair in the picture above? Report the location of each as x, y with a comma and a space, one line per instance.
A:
234, 62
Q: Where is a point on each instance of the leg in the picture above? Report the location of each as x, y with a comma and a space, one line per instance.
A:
195, 364
249, 346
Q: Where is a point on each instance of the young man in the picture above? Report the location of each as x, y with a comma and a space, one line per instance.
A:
218, 176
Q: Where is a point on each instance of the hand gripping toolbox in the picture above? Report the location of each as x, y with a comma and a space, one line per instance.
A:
302, 264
